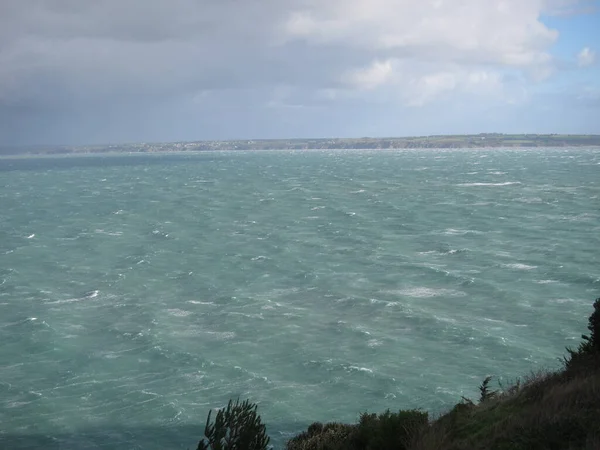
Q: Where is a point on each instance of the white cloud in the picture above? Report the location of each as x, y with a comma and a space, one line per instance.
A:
586, 57
431, 48
507, 32
417, 84
377, 74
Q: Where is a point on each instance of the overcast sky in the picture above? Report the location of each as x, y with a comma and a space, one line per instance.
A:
103, 71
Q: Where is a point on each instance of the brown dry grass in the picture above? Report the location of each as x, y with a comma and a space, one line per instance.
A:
548, 411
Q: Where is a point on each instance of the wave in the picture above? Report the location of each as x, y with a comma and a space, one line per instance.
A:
452, 251
88, 296
455, 232
178, 312
249, 316
506, 183
426, 292
560, 301
359, 369
519, 266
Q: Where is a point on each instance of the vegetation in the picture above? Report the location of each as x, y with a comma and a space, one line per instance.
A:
387, 431
589, 350
547, 410
449, 141
237, 427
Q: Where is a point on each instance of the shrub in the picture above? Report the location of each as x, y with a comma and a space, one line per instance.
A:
236, 427
587, 354
331, 436
485, 392
386, 431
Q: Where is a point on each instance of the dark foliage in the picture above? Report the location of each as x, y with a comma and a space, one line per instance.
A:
386, 431
587, 354
237, 427
485, 392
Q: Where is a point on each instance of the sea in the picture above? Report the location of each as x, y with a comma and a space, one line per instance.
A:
140, 291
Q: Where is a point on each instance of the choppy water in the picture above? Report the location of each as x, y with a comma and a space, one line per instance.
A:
138, 292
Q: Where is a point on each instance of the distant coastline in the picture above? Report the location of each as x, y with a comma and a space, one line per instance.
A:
484, 140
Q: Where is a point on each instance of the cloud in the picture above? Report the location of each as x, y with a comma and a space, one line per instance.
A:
62, 59
115, 47
416, 84
507, 32
586, 57
378, 73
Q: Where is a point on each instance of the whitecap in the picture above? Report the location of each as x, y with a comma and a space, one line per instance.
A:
425, 292
563, 300
360, 369
196, 302
487, 319
60, 302
374, 301
178, 312
455, 232
519, 266
507, 183
222, 334
546, 281
16, 404
108, 233
455, 251
529, 200
249, 316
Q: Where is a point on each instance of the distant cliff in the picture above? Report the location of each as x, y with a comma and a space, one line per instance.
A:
450, 141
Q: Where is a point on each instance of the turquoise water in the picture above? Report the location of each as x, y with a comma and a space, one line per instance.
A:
138, 292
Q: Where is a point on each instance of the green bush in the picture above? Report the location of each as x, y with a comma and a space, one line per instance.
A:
237, 427
386, 431
484, 390
331, 436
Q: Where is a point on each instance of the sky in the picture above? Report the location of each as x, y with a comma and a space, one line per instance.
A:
112, 71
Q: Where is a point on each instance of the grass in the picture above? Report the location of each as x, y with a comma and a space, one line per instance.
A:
552, 411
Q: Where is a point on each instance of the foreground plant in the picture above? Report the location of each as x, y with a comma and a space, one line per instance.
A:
237, 427
587, 354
